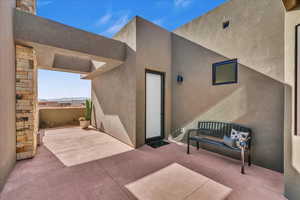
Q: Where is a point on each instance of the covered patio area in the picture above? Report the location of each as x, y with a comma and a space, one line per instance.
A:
121, 175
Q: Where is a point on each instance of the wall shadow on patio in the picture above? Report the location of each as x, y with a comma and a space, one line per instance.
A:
111, 124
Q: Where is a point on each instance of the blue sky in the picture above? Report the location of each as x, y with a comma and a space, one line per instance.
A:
106, 17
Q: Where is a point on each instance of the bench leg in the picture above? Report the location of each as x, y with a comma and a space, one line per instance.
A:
188, 145
198, 146
249, 158
243, 161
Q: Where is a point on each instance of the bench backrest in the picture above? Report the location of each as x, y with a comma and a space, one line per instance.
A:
219, 129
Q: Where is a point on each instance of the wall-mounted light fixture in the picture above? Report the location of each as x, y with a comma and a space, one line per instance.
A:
179, 78
226, 24
19, 96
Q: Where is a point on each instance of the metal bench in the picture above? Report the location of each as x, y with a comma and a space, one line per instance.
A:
212, 133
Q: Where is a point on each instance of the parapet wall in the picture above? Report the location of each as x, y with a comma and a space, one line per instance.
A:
56, 117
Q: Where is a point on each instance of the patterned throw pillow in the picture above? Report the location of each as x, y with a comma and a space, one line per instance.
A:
234, 134
239, 137
243, 135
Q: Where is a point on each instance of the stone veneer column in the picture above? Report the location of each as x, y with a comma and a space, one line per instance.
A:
26, 93
26, 6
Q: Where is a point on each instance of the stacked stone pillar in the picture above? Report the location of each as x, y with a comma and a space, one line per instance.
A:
26, 6
26, 93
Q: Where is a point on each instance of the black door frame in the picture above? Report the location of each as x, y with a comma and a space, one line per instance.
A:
162, 114
296, 81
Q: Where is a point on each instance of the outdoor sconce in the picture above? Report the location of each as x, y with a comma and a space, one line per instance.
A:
179, 79
19, 96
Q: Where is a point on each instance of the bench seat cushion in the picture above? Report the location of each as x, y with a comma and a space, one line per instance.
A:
229, 141
213, 141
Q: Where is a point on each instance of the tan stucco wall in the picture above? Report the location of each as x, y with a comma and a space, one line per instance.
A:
153, 52
257, 101
255, 35
7, 90
55, 117
291, 142
113, 93
119, 95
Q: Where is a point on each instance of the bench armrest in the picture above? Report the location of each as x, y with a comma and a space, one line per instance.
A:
190, 131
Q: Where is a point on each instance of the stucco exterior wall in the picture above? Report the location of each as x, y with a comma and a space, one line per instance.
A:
119, 95
7, 90
55, 117
255, 34
154, 53
256, 101
291, 142
113, 93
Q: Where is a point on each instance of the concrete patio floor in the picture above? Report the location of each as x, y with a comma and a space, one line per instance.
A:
166, 184
46, 177
73, 145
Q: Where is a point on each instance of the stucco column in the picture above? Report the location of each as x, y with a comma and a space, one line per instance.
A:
26, 93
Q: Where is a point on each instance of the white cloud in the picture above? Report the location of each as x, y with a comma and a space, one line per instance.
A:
41, 3
104, 19
162, 3
118, 24
182, 3
158, 22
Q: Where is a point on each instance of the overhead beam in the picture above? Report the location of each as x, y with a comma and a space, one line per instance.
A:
63, 48
30, 29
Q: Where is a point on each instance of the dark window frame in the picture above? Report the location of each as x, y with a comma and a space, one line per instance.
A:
218, 64
226, 24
